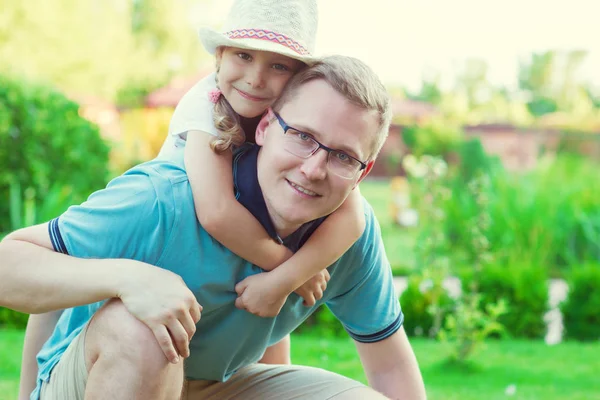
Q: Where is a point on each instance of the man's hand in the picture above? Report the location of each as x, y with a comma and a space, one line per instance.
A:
261, 294
312, 290
161, 300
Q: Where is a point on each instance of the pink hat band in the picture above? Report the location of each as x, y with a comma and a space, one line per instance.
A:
263, 34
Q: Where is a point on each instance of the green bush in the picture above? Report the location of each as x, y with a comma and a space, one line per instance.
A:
323, 323
416, 301
581, 315
524, 288
548, 217
46, 149
12, 319
435, 138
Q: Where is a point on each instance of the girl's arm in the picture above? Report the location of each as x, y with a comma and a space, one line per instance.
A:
265, 294
218, 211
39, 329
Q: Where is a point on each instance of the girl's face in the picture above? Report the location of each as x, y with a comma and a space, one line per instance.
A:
252, 80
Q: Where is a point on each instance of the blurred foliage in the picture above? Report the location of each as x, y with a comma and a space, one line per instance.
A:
524, 289
435, 137
12, 319
417, 300
48, 153
549, 94
143, 131
323, 323
581, 318
109, 49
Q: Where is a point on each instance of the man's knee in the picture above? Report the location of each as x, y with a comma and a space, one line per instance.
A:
115, 332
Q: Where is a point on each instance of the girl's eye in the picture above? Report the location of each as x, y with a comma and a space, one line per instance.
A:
244, 56
280, 67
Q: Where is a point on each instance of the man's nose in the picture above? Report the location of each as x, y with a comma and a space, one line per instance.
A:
255, 77
315, 166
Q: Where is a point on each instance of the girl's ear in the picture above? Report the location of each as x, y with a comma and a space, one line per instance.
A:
261, 129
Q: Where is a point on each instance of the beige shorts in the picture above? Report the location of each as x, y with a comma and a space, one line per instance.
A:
256, 381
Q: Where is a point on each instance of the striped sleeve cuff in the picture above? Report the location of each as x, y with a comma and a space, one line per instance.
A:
382, 334
56, 238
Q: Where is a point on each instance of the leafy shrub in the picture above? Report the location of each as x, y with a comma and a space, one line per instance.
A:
12, 319
323, 323
417, 302
581, 317
435, 138
523, 287
45, 146
143, 134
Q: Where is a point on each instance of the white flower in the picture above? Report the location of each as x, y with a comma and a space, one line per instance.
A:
511, 390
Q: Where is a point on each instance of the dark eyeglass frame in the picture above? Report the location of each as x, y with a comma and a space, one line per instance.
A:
329, 150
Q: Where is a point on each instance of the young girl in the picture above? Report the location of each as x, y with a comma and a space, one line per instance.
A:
264, 43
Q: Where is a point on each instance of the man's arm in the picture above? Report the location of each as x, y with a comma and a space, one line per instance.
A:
391, 367
39, 329
35, 279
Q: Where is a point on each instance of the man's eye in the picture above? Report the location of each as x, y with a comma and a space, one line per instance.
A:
343, 157
303, 136
244, 56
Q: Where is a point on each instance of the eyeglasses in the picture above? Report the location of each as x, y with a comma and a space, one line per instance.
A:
303, 145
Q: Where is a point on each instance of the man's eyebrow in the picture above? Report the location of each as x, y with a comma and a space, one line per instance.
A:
344, 147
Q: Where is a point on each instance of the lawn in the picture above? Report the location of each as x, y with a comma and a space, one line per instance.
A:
537, 371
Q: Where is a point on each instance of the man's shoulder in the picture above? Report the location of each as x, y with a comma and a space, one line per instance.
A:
153, 183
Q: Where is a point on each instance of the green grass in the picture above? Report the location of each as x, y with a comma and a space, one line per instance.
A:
11, 345
565, 371
399, 242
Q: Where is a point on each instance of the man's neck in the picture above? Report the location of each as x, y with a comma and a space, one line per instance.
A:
282, 228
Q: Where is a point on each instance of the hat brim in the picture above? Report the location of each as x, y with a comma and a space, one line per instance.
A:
212, 39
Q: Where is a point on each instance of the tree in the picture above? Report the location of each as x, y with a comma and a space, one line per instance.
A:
96, 47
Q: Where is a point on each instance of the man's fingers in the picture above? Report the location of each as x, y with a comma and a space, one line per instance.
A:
188, 324
327, 276
196, 311
166, 343
180, 338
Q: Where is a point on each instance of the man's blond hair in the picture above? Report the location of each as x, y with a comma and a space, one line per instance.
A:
354, 80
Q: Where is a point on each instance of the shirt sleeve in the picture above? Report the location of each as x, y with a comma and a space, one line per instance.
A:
194, 112
369, 310
127, 219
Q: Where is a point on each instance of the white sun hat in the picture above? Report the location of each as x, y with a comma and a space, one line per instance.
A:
286, 27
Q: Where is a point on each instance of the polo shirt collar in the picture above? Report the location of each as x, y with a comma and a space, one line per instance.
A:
249, 194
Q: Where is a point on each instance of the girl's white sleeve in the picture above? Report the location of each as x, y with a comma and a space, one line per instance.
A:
194, 112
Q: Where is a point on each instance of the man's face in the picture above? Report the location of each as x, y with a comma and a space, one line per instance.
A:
299, 190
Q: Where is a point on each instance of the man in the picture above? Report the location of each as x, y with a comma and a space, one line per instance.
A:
315, 145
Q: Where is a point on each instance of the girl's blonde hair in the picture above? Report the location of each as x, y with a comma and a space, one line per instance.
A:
229, 128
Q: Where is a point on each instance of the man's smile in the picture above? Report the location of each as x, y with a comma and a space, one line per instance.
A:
303, 190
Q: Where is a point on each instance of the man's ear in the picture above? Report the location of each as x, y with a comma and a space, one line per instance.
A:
262, 127
365, 171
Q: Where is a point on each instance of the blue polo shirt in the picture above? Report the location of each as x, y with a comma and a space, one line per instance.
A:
148, 214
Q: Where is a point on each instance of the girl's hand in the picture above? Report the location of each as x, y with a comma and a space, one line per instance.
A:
312, 290
261, 294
